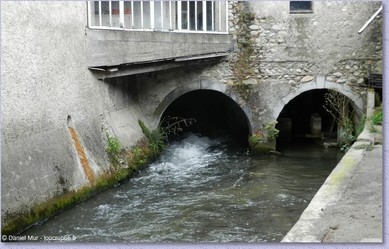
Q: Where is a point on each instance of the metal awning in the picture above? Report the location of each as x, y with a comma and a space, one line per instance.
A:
105, 72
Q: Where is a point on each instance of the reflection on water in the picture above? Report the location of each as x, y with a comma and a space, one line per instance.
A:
202, 190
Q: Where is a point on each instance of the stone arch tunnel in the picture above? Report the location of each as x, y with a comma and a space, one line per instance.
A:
219, 109
304, 117
356, 99
216, 114
295, 119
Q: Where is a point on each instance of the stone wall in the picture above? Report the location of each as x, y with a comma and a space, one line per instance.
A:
156, 91
291, 50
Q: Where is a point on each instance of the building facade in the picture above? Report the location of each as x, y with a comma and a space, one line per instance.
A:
74, 71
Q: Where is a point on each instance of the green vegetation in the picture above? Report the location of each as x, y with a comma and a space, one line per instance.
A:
113, 149
272, 132
338, 106
256, 138
264, 142
157, 138
124, 163
376, 119
136, 158
51, 207
360, 126
42, 211
346, 135
243, 65
259, 144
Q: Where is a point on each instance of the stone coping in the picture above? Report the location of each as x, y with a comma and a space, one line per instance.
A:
331, 191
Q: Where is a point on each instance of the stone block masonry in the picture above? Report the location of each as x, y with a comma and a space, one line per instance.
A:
291, 50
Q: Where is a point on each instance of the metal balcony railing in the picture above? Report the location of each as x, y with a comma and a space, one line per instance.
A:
173, 16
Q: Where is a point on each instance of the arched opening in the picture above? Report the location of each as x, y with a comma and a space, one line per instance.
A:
216, 114
305, 119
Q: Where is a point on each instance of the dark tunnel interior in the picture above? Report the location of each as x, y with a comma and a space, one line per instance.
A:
216, 115
295, 120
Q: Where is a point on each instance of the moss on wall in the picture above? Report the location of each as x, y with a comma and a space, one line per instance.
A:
242, 66
123, 165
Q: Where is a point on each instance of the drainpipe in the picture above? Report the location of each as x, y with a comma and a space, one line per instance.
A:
370, 20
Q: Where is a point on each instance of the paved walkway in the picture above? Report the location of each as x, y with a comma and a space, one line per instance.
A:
348, 207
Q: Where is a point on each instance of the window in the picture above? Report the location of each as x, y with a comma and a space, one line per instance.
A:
300, 6
184, 16
105, 14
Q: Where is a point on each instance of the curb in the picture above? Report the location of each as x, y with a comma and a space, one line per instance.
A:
330, 192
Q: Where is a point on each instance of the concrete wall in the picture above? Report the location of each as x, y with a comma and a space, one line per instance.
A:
46, 88
113, 47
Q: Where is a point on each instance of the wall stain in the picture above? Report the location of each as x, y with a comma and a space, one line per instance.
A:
81, 154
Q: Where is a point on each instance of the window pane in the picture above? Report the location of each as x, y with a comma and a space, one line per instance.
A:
146, 15
127, 15
223, 18
217, 7
115, 14
137, 15
199, 15
209, 15
300, 6
105, 12
157, 15
184, 17
94, 13
165, 15
192, 15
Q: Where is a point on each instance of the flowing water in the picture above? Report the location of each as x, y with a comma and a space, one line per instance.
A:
202, 190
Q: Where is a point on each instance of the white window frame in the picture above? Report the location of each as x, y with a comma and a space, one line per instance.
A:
172, 16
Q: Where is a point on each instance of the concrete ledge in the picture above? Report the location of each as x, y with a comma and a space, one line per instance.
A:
306, 228
366, 135
115, 47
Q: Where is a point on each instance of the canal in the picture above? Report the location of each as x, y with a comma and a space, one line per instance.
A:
202, 190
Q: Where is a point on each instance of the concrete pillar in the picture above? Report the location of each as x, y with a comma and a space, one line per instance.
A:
315, 124
370, 102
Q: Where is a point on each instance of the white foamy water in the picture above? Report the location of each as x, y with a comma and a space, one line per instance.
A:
201, 190
187, 159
